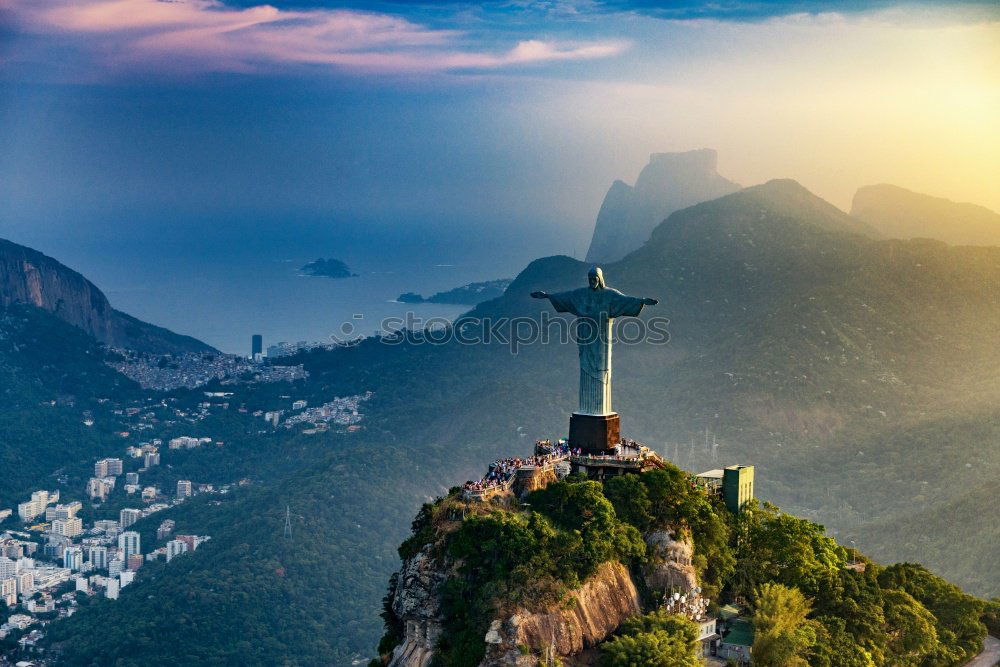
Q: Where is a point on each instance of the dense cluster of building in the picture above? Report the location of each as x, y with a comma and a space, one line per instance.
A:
44, 566
342, 411
169, 372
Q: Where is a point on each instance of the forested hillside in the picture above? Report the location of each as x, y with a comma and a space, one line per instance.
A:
857, 375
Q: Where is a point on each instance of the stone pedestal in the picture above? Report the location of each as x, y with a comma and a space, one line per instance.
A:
594, 434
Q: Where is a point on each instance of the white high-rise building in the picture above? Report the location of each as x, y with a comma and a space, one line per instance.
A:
8, 567
73, 558
126, 577
128, 516
108, 468
128, 542
183, 488
98, 557
8, 591
176, 548
25, 583
112, 588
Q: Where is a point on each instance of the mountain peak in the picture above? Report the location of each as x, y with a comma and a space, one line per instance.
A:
30, 277
670, 182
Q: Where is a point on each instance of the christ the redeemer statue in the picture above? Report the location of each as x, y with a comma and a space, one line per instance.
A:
597, 305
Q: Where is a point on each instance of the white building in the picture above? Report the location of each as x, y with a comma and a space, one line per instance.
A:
25, 583
115, 566
98, 557
100, 487
8, 591
70, 527
128, 542
8, 567
126, 577
128, 516
183, 488
73, 558
108, 468
176, 548
111, 591
39, 501
66, 511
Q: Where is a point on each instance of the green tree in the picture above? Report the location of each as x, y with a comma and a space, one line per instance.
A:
782, 634
657, 639
910, 629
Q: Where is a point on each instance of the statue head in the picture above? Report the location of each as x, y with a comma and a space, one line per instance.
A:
596, 278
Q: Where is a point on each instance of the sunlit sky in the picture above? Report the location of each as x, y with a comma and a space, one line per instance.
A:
196, 123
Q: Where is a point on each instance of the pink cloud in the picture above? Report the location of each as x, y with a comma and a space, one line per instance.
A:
209, 35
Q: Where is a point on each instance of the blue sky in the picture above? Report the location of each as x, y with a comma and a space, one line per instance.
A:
200, 127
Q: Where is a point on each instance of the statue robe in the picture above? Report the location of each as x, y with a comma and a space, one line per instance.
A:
596, 309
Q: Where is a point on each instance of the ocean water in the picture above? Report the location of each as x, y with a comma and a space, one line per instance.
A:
225, 302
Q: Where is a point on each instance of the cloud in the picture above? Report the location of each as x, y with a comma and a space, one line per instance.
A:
209, 35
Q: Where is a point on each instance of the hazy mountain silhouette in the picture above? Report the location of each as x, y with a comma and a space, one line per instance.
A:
900, 213
671, 181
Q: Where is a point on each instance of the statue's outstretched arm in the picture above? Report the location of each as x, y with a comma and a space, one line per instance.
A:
650, 302
539, 295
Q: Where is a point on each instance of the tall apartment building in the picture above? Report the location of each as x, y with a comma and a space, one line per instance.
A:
151, 459
39, 501
183, 488
131, 478
108, 468
128, 516
8, 591
8, 567
70, 527
176, 548
98, 557
73, 558
128, 542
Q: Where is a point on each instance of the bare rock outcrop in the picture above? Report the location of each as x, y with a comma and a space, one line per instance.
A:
417, 603
670, 565
589, 616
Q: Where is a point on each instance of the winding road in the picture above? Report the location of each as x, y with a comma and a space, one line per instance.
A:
990, 654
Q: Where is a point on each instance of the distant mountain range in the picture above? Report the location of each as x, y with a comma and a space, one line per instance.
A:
670, 182
29, 277
900, 213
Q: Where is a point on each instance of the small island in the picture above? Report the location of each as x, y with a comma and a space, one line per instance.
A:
471, 294
328, 268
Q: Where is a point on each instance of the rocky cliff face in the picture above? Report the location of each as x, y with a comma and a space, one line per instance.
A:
670, 182
29, 277
416, 602
588, 616
591, 614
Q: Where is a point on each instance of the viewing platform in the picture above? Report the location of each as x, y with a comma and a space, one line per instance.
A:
629, 457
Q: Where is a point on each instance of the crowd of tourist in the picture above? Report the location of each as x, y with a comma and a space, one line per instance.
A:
502, 470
